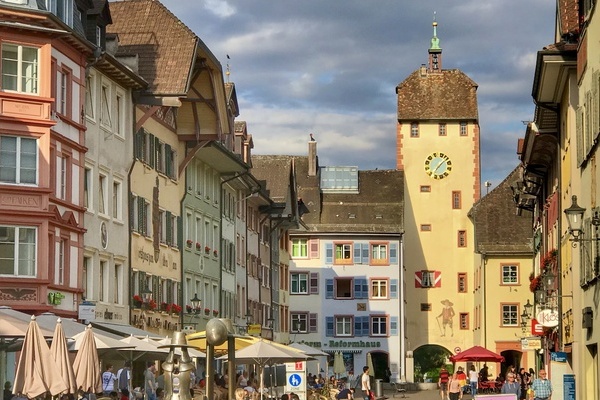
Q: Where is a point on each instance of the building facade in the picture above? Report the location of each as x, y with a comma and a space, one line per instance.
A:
108, 119
42, 155
438, 151
345, 285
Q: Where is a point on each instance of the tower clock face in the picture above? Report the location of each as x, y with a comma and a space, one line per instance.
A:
438, 165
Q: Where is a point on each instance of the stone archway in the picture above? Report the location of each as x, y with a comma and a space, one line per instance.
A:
428, 360
511, 357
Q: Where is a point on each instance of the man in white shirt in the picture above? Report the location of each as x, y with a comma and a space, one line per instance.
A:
366, 383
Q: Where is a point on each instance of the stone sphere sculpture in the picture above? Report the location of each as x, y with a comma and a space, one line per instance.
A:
216, 332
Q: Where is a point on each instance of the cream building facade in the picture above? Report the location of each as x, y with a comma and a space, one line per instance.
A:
438, 150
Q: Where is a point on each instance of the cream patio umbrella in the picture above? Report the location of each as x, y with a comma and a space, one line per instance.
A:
60, 352
338, 364
264, 353
87, 364
370, 365
37, 372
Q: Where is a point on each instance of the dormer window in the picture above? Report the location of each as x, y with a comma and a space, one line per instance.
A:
63, 9
98, 36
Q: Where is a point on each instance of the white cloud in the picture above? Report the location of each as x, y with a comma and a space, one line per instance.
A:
220, 8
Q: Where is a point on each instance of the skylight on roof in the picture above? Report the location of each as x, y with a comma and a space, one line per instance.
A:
339, 179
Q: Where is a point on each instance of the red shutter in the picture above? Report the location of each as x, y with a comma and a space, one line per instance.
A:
313, 248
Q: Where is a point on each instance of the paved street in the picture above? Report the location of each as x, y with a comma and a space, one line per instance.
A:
420, 395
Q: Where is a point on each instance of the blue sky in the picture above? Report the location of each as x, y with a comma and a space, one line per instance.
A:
331, 67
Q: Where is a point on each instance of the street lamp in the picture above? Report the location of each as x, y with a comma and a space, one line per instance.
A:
526, 316
146, 294
575, 220
195, 301
528, 309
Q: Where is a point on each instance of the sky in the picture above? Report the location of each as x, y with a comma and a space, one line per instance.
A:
331, 67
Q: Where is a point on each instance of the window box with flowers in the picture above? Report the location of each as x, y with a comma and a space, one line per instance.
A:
189, 309
165, 307
215, 312
152, 305
547, 262
207, 249
188, 243
215, 253
176, 309
197, 310
207, 311
137, 301
198, 246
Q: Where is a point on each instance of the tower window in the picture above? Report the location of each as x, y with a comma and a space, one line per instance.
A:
414, 129
456, 200
462, 238
442, 129
463, 128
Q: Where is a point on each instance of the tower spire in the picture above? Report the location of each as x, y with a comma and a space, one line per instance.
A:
435, 51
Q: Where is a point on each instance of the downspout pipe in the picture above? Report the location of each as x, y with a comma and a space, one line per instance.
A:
484, 305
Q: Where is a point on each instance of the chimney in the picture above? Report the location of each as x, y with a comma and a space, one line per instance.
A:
312, 158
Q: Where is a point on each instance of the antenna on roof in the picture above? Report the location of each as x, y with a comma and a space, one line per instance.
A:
228, 71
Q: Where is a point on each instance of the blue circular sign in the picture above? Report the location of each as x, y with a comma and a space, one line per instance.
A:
295, 380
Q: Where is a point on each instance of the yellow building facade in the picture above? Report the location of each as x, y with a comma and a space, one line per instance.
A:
438, 150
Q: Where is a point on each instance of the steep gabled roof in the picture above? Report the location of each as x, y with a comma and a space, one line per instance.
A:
449, 95
276, 172
166, 46
377, 208
497, 227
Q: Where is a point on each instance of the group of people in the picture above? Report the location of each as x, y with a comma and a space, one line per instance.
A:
522, 384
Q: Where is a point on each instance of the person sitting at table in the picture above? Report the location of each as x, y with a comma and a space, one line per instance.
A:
310, 379
484, 373
240, 394
346, 394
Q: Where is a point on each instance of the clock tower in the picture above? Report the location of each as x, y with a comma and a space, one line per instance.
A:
438, 149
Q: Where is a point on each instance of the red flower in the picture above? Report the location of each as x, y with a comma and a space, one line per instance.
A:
152, 305
207, 249
137, 297
534, 283
175, 308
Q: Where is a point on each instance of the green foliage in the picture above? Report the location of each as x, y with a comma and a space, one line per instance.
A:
429, 359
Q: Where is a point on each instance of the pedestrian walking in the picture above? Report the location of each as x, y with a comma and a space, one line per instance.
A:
366, 383
524, 380
473, 379
150, 382
541, 386
108, 380
511, 386
443, 383
124, 377
454, 388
